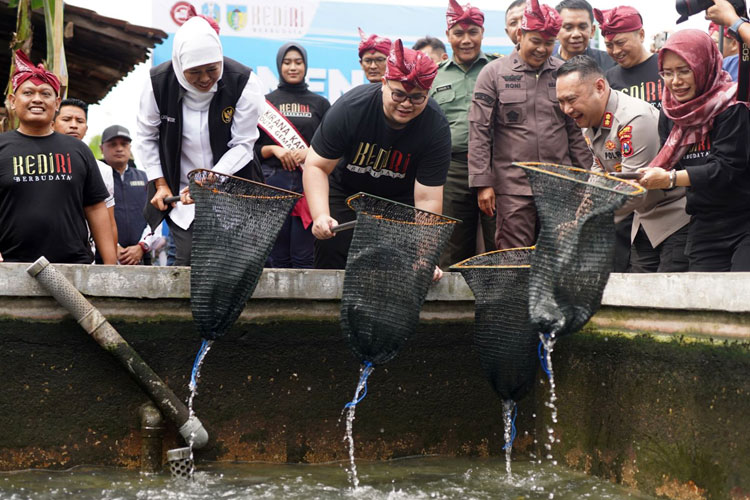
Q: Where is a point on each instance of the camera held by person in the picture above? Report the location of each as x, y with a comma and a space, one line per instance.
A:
687, 8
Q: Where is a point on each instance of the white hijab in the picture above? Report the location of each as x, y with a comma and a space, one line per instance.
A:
196, 43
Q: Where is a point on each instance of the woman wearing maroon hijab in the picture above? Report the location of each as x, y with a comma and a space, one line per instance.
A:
705, 136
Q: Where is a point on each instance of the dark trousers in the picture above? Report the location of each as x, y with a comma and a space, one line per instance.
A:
667, 257
332, 253
517, 222
622, 245
719, 245
183, 242
460, 202
294, 245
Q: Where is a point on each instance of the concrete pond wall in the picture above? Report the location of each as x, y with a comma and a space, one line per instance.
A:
653, 393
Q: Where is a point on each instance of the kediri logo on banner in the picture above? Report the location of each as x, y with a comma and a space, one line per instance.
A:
253, 30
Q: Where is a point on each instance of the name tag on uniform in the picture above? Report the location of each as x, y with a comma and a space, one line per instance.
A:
444, 87
137, 183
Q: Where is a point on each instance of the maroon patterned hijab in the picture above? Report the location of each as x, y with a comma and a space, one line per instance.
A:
715, 92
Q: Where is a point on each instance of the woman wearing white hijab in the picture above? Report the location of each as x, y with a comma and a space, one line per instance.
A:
199, 110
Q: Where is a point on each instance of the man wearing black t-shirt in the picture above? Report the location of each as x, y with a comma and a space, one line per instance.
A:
637, 75
50, 184
388, 140
637, 70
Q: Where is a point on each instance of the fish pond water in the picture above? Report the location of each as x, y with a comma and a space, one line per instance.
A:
409, 478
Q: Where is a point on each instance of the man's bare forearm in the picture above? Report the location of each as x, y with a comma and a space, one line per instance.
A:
101, 230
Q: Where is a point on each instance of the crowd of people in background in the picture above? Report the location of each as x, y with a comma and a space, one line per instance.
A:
433, 129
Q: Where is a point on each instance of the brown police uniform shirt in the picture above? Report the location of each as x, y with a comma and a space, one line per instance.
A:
515, 116
626, 140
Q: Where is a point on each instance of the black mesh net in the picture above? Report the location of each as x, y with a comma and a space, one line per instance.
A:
575, 248
506, 343
236, 224
390, 266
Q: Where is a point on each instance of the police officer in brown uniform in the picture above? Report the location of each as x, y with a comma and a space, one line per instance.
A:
622, 132
515, 117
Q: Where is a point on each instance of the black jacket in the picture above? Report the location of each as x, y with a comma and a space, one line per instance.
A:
168, 94
719, 167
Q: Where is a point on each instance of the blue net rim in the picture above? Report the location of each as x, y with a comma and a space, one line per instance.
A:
637, 189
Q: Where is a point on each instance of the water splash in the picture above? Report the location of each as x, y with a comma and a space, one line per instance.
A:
510, 432
194, 378
364, 372
548, 342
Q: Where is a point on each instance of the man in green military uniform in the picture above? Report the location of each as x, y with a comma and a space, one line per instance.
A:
453, 89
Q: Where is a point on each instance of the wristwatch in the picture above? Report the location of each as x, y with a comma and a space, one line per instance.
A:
734, 29
144, 246
672, 179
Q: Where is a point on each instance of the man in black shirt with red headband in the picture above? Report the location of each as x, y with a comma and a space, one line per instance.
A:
50, 185
389, 140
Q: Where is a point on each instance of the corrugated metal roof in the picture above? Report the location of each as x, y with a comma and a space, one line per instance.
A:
100, 51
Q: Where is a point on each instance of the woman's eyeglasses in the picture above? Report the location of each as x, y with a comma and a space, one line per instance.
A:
670, 75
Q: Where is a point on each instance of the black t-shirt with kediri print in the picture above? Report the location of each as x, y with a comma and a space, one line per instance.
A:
45, 183
718, 166
642, 81
303, 109
376, 158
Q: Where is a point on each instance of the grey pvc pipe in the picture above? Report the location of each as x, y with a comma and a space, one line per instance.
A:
106, 336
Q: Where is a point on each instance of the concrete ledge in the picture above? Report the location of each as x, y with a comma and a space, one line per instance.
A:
729, 292
154, 282
702, 304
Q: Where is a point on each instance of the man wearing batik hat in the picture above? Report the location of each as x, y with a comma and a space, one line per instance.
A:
515, 117
50, 184
637, 75
373, 51
637, 70
452, 90
389, 140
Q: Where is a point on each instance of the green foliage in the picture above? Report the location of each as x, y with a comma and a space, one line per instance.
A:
35, 4
49, 30
95, 145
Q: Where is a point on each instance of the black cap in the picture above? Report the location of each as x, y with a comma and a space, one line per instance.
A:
115, 131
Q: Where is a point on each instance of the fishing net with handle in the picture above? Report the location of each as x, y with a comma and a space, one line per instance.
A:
575, 249
392, 258
236, 224
506, 343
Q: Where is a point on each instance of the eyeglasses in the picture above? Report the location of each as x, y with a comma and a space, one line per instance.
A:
682, 73
400, 97
369, 61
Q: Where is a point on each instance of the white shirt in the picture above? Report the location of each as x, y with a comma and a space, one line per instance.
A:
196, 145
109, 182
